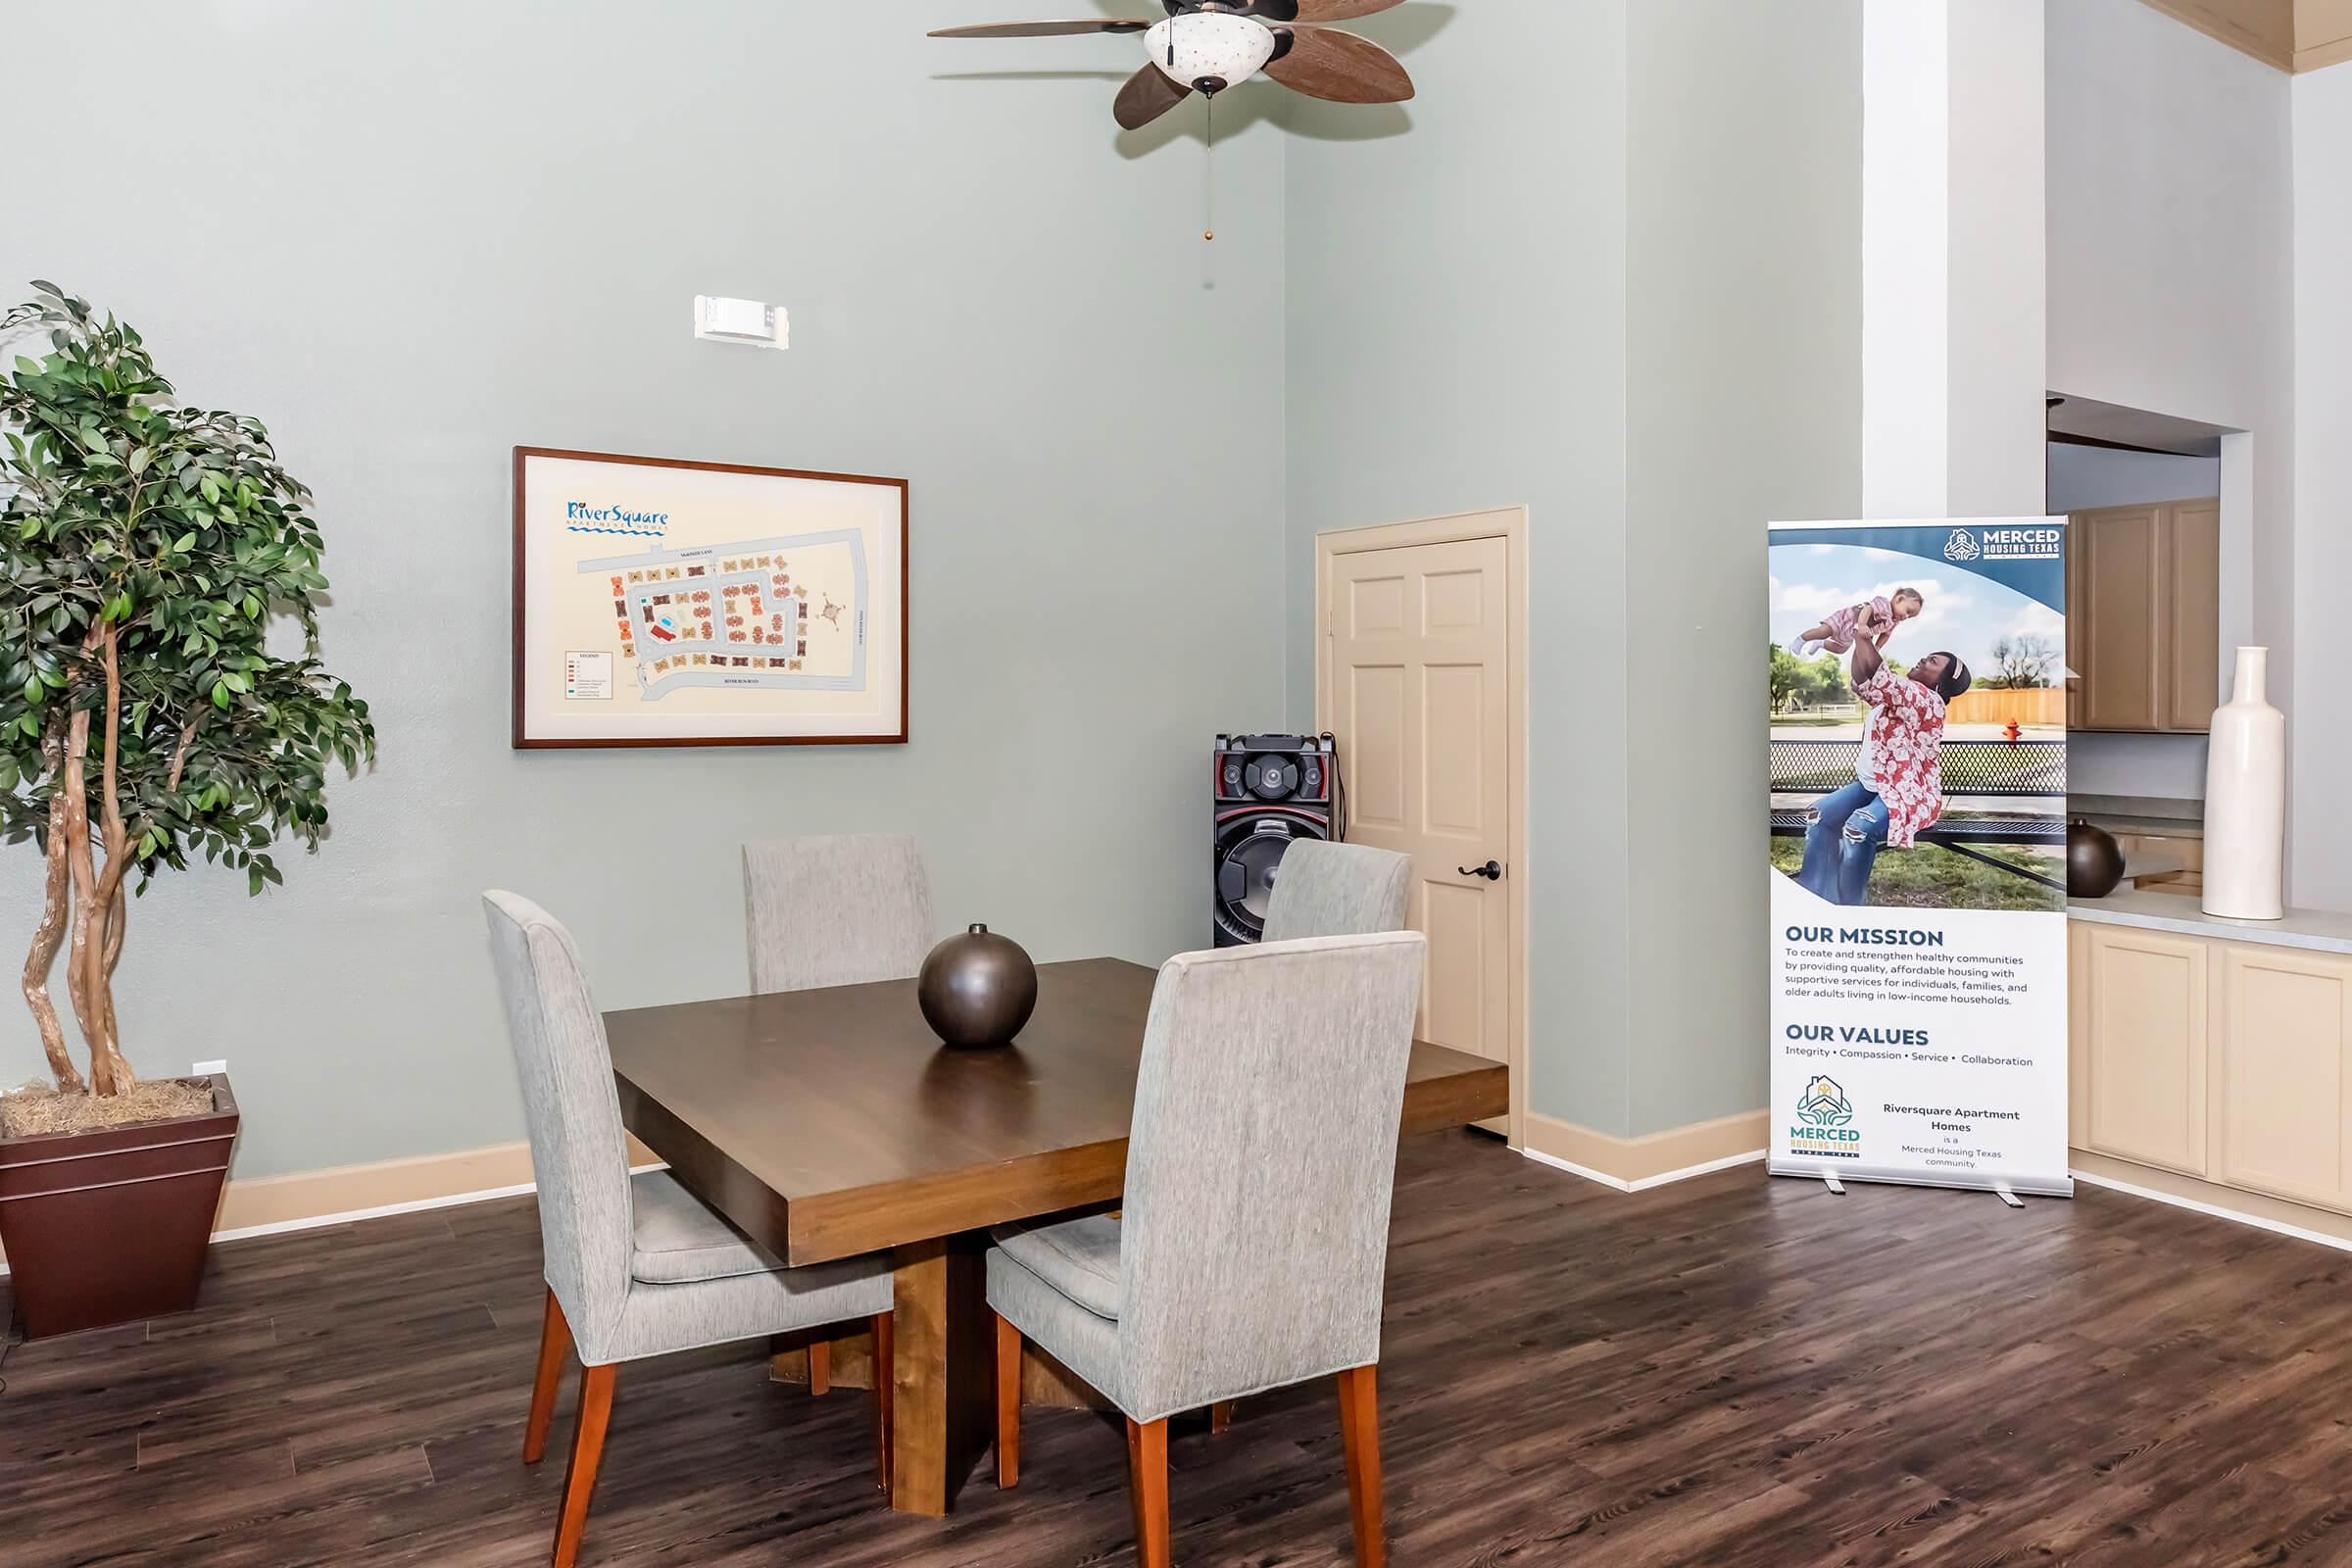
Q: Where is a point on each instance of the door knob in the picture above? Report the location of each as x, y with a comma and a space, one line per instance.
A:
1491, 870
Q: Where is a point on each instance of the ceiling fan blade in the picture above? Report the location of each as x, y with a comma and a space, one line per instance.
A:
1340, 9
1342, 68
1041, 29
1149, 94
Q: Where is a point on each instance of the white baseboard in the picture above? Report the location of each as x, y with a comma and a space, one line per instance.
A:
419, 1205
2260, 1222
306, 1201
2264, 1222
1652, 1160
1645, 1183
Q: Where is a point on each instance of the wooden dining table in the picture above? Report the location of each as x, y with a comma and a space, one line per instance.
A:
832, 1124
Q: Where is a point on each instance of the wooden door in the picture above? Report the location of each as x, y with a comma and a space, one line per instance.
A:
2286, 1078
1419, 698
2191, 633
2145, 1055
2122, 608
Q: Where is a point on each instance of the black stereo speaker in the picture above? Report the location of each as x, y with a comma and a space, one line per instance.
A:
1269, 792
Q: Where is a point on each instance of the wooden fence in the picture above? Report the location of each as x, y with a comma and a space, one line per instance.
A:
2029, 704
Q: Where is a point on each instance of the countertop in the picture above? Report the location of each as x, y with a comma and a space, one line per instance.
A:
2319, 930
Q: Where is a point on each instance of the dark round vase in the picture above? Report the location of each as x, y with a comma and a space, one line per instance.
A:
2094, 863
977, 989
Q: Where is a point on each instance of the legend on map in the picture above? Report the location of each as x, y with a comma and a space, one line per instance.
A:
588, 677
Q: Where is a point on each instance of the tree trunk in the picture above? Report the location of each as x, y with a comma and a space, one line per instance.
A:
55, 910
109, 1073
118, 918
73, 787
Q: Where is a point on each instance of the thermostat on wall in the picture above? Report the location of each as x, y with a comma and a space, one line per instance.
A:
730, 320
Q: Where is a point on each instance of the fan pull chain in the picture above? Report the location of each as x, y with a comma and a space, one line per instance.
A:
1208, 181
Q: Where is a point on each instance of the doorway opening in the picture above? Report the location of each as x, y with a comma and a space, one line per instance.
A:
2158, 564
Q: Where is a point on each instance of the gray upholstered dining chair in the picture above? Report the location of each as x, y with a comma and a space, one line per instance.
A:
1337, 889
636, 1265
1254, 1240
836, 911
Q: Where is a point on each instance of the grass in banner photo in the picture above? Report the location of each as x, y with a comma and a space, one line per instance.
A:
1917, 710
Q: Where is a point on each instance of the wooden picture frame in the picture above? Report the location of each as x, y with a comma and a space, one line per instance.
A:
734, 654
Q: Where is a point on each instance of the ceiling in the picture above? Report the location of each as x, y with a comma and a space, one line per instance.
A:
2291, 34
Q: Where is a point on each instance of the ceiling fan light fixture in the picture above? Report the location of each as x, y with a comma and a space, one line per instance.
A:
1209, 50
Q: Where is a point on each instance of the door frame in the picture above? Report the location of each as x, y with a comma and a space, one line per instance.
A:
1509, 524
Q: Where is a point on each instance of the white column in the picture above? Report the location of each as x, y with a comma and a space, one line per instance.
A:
1999, 273
1954, 269
1906, 142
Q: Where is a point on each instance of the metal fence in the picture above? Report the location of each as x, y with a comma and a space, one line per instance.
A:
1969, 768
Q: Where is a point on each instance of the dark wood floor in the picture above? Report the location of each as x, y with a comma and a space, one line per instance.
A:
1729, 1370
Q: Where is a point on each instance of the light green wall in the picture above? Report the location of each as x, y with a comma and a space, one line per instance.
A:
1613, 272
1457, 340
1745, 404
410, 237
1605, 266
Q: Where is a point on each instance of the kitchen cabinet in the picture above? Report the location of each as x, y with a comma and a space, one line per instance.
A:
2143, 616
2287, 1094
2144, 1070
2220, 1058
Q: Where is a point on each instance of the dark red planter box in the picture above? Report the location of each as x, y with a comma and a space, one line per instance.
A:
111, 1226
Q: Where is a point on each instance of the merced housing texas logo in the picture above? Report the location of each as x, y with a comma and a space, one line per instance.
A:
1823, 1116
1825, 1103
1961, 546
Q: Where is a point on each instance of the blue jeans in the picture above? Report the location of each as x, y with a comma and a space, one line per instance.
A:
1842, 840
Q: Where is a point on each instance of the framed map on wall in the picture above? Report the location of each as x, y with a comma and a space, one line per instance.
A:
665, 602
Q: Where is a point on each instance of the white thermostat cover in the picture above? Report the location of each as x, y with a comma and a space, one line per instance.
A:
723, 319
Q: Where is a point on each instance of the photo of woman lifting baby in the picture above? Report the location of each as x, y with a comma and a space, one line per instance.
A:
1917, 727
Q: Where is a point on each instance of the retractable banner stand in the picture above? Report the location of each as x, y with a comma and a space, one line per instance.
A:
1918, 722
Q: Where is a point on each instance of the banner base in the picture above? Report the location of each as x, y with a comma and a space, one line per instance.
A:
1829, 1180
2006, 1186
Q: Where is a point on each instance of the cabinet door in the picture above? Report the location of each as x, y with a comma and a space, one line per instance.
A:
2190, 634
2146, 1049
2287, 1076
2122, 608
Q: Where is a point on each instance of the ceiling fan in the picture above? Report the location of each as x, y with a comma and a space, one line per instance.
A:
1206, 46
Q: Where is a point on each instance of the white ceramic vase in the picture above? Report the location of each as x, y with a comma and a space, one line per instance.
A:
2245, 798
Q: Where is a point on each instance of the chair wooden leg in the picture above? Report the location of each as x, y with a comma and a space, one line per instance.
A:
820, 1368
555, 1346
1359, 1433
1220, 1416
587, 1454
1008, 1405
885, 1395
1148, 1483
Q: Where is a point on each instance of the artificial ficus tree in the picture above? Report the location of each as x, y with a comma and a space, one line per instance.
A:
143, 715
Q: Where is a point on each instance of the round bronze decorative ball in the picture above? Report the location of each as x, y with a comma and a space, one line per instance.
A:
2094, 862
977, 989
